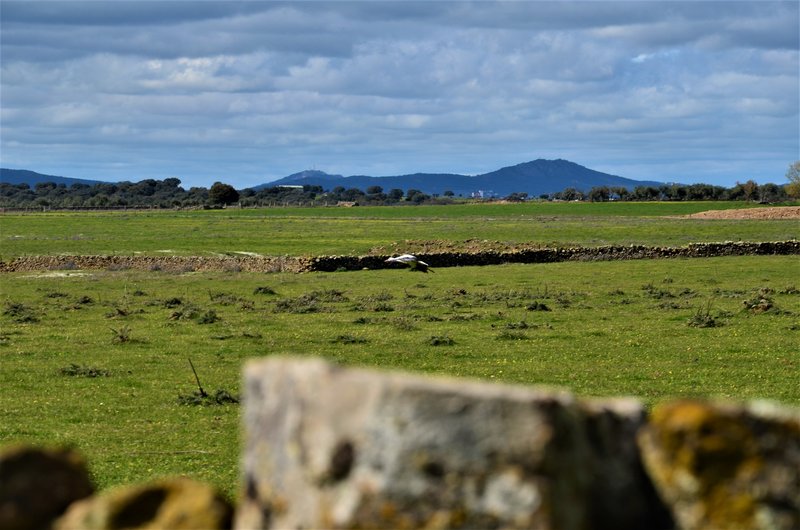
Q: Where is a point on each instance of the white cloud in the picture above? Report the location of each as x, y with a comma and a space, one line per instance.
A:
260, 89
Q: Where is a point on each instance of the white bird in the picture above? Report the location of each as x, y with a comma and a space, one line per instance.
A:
414, 263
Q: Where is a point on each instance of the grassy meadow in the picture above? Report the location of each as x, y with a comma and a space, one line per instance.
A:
322, 231
100, 359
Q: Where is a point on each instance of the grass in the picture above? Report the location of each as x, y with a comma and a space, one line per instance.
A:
321, 231
101, 361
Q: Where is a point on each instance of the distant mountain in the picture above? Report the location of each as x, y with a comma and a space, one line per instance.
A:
535, 178
31, 178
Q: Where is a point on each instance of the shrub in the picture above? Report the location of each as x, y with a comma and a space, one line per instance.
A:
224, 298
348, 339
654, 292
758, 304
297, 305
537, 306
188, 312
75, 370
219, 397
172, 302
702, 318
121, 335
20, 313
209, 317
404, 324
441, 340
512, 335
118, 312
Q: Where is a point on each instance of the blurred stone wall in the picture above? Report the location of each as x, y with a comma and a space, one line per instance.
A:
332, 447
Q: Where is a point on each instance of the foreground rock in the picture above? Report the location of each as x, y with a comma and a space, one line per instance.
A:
175, 504
726, 467
327, 447
37, 485
330, 447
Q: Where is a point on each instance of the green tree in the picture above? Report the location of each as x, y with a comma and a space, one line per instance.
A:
222, 193
416, 196
599, 194
620, 192
747, 191
517, 196
793, 176
568, 194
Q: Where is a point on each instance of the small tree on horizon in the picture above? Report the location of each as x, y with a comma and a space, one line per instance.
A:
220, 193
793, 176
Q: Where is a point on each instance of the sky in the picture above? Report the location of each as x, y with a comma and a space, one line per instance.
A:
249, 92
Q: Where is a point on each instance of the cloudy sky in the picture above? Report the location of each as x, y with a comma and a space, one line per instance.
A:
247, 92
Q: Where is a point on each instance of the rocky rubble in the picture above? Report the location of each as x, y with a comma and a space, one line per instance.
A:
444, 255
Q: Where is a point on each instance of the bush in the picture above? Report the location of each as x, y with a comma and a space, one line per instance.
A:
75, 370
219, 397
441, 340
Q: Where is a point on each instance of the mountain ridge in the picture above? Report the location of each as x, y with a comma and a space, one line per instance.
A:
537, 177
31, 178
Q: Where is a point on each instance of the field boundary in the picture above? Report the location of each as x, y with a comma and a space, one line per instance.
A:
436, 260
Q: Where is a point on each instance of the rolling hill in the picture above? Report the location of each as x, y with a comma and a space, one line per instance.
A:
31, 178
534, 178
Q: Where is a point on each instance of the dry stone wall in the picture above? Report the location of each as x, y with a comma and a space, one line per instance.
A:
333, 447
435, 259
329, 447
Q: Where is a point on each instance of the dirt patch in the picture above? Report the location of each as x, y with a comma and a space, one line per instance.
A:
772, 212
58, 274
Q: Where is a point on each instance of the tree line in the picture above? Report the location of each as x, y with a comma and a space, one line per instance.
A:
168, 193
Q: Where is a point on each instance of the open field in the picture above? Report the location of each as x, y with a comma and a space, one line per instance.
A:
99, 359
322, 231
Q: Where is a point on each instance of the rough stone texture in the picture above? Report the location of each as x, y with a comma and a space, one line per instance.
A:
328, 447
725, 466
175, 504
37, 485
622, 494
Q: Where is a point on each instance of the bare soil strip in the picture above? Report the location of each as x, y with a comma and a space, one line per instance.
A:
436, 258
774, 212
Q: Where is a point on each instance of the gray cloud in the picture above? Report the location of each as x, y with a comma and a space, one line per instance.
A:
256, 90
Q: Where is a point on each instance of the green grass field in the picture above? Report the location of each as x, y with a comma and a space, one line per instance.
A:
99, 359
321, 231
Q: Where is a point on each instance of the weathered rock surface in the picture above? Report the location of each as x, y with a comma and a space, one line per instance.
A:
724, 466
327, 447
37, 485
621, 493
175, 504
